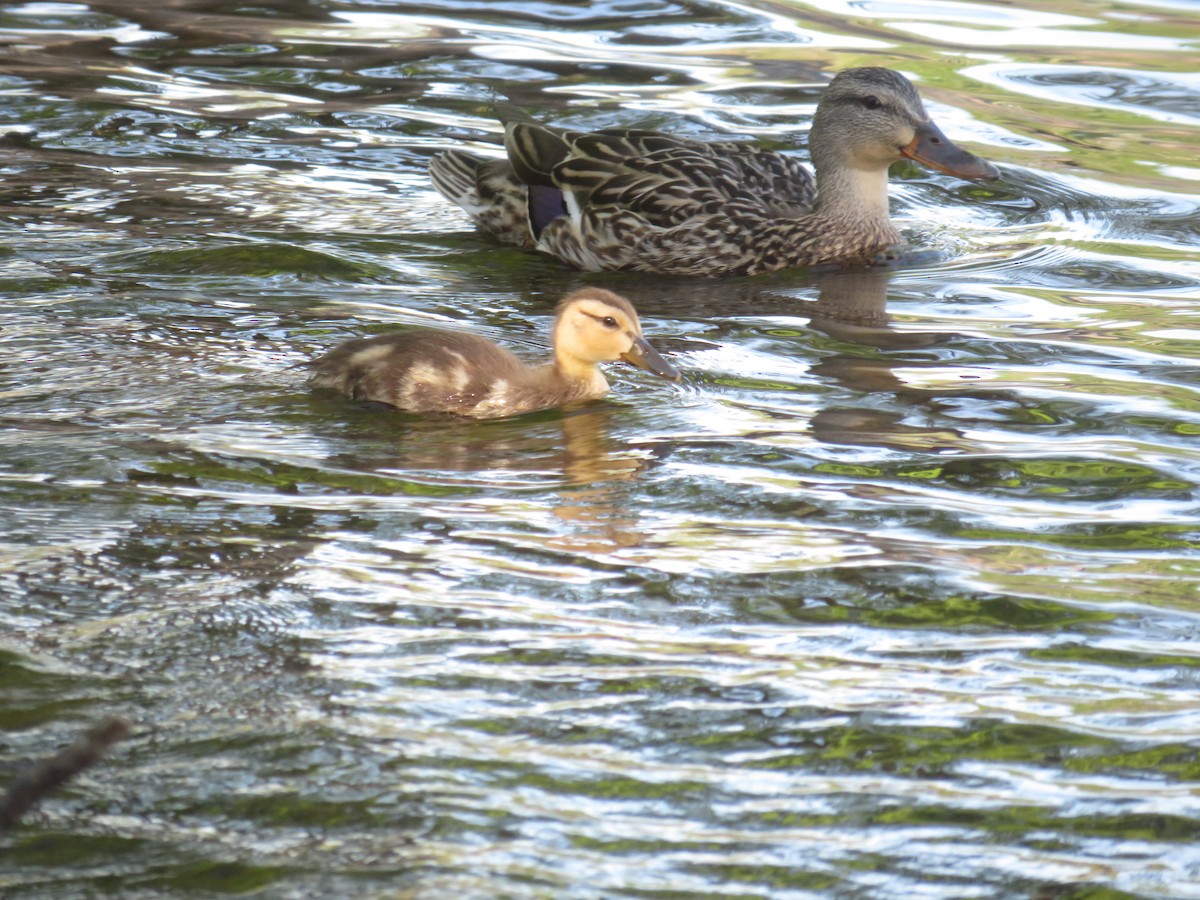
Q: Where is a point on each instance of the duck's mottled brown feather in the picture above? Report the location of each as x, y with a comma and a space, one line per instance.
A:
641, 200
489, 192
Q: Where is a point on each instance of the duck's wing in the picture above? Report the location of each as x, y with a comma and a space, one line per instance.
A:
621, 198
666, 180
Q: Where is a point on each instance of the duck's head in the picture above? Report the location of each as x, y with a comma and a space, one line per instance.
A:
870, 117
596, 326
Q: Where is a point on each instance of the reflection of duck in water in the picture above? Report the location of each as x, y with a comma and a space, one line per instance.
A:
641, 200
851, 306
430, 370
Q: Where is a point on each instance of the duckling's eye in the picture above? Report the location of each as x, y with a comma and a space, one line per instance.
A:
608, 322
871, 102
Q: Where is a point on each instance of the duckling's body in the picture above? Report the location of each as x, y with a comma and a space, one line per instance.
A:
428, 370
646, 201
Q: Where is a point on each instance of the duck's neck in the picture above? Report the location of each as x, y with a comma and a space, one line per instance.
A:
562, 381
853, 194
582, 379
849, 223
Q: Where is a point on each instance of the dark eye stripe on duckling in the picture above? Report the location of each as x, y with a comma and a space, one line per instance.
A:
606, 321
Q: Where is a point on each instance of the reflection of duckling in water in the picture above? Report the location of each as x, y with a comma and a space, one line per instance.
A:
430, 370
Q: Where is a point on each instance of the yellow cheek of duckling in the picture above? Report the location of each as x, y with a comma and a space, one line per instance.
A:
617, 344
594, 341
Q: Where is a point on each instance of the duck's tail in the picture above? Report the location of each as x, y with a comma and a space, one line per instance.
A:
489, 192
453, 175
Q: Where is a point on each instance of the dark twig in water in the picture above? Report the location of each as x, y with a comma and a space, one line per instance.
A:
44, 777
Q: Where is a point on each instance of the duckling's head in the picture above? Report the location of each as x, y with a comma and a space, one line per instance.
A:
595, 326
870, 117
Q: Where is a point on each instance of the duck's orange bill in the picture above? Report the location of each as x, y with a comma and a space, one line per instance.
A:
932, 148
642, 355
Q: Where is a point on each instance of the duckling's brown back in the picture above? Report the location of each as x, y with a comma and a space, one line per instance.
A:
419, 370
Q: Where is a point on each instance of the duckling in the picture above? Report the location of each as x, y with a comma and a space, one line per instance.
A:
641, 200
431, 370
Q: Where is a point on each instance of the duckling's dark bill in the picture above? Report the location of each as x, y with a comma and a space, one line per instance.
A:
642, 355
932, 148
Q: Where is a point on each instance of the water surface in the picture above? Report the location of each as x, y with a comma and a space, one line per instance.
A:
895, 595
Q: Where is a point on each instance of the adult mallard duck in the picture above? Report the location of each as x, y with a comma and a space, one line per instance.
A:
432, 370
641, 200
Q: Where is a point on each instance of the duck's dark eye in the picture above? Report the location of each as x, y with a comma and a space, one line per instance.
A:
608, 322
871, 102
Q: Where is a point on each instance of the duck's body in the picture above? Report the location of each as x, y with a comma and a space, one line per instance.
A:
649, 202
428, 370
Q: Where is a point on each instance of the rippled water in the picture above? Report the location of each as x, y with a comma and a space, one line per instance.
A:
896, 595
